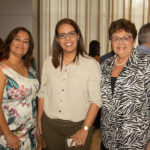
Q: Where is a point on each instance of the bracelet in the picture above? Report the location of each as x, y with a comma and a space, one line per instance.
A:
6, 137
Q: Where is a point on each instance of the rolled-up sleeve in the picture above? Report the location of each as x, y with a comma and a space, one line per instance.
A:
94, 84
44, 79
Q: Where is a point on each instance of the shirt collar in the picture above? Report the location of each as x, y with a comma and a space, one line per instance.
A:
143, 49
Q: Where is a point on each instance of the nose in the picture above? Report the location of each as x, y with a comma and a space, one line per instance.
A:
121, 40
22, 42
67, 37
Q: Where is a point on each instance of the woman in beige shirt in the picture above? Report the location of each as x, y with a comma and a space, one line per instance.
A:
69, 97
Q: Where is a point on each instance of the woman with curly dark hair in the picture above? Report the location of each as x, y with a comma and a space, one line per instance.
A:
17, 92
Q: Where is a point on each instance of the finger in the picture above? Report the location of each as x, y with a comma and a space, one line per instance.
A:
79, 144
73, 142
41, 131
19, 144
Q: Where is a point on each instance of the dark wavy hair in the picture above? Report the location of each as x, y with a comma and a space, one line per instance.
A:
122, 24
28, 57
94, 48
57, 49
1, 46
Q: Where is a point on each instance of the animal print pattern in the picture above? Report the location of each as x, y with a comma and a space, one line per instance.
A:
125, 122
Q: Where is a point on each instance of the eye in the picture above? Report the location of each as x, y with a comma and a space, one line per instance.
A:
26, 41
126, 38
61, 36
115, 39
71, 33
17, 39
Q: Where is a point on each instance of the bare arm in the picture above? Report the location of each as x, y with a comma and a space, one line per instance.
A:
81, 135
40, 113
11, 139
148, 146
91, 115
3, 123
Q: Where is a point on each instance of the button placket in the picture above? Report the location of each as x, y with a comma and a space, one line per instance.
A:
62, 88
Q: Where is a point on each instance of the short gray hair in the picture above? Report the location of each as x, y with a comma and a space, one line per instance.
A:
144, 34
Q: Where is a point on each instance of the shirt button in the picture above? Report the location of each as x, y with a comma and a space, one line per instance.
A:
59, 110
63, 79
62, 90
61, 100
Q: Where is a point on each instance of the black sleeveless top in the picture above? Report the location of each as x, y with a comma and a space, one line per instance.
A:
113, 81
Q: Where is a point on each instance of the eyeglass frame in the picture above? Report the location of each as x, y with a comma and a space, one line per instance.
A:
70, 34
123, 39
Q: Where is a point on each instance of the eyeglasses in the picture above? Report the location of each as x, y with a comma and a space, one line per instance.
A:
123, 39
71, 34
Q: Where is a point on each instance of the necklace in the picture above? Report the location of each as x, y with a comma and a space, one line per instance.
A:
117, 63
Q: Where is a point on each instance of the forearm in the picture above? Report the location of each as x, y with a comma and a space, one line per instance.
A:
91, 115
40, 108
3, 124
80, 136
148, 146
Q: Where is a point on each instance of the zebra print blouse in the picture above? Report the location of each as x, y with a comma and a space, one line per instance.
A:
125, 122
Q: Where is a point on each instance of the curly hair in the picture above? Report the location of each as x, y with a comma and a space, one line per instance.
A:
28, 57
122, 24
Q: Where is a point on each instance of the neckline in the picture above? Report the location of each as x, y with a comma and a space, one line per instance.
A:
16, 71
117, 63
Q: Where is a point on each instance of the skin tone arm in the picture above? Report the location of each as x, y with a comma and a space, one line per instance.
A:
40, 112
81, 135
11, 139
148, 146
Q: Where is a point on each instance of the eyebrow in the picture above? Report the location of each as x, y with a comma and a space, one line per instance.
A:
119, 37
20, 37
67, 32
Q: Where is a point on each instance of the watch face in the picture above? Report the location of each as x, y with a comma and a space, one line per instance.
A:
86, 128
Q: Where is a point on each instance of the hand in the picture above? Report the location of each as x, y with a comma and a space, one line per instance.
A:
39, 130
13, 142
40, 142
148, 147
79, 137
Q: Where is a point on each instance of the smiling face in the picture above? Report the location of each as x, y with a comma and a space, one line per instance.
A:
122, 43
20, 44
67, 38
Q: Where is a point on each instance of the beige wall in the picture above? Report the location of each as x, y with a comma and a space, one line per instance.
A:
14, 13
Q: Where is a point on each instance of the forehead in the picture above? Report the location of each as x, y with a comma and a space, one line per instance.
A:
121, 33
65, 28
23, 34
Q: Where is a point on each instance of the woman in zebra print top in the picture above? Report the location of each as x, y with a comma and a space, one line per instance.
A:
125, 122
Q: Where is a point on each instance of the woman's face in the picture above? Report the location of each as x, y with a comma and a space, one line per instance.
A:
20, 44
122, 43
67, 38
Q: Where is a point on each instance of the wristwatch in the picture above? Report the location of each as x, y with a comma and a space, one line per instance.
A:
85, 127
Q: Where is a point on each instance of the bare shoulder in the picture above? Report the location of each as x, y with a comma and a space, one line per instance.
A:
3, 81
3, 78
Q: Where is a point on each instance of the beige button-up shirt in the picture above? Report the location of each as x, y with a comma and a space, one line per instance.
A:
69, 92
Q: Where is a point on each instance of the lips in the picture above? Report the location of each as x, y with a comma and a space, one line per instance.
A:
121, 48
20, 48
68, 44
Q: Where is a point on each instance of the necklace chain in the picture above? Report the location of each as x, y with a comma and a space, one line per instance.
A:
117, 63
